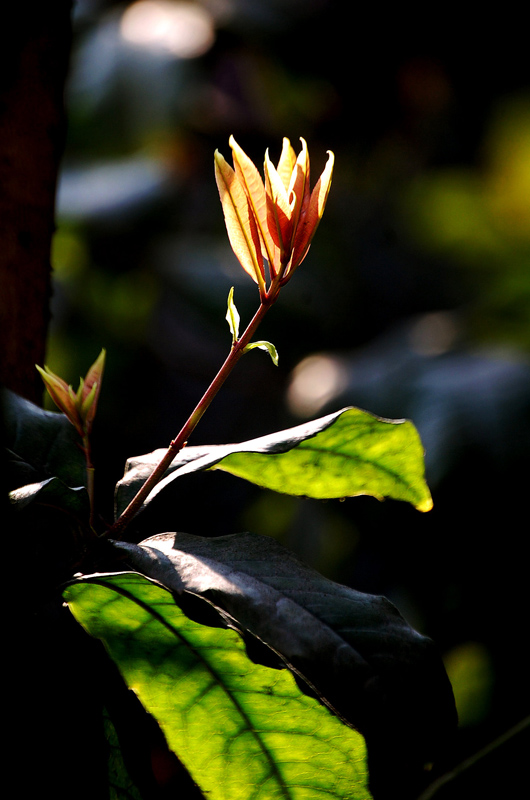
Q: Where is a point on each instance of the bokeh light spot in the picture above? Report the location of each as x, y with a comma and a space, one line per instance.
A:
314, 382
183, 29
470, 671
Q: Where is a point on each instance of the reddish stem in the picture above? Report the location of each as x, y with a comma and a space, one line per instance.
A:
238, 348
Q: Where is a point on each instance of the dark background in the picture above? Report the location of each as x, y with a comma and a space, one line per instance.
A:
413, 302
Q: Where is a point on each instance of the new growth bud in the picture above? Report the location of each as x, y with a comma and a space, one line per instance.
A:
79, 407
273, 221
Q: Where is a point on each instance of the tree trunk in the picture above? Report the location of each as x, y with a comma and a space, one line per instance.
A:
33, 69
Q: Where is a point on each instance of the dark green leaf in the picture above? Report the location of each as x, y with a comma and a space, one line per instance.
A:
53, 492
243, 731
356, 649
41, 444
121, 785
348, 453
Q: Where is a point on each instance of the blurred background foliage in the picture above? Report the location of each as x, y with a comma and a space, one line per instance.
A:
413, 302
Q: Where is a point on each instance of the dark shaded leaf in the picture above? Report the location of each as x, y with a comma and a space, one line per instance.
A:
53, 492
121, 785
356, 649
51, 522
40, 444
242, 731
348, 453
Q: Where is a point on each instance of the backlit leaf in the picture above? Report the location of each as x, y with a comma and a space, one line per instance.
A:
311, 219
232, 316
250, 178
262, 345
344, 454
243, 731
356, 650
240, 224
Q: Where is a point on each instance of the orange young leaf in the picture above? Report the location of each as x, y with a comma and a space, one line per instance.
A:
240, 223
279, 211
313, 214
286, 163
60, 392
92, 388
252, 183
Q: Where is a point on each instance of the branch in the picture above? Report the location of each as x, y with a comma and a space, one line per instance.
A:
431, 790
238, 349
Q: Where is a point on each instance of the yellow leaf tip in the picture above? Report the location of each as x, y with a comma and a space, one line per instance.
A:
425, 505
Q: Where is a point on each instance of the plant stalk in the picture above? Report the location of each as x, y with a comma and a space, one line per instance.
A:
89, 475
237, 350
432, 790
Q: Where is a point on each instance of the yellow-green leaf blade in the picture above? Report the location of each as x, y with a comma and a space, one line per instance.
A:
232, 316
263, 345
242, 730
344, 454
357, 454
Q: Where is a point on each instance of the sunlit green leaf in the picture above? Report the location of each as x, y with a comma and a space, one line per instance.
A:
242, 730
348, 453
356, 650
232, 316
264, 346
356, 454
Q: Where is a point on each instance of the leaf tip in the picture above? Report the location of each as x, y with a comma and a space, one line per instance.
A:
425, 505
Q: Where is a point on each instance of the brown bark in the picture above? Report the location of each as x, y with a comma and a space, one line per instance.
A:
32, 132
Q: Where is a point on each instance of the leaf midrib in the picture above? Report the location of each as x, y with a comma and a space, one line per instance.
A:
213, 673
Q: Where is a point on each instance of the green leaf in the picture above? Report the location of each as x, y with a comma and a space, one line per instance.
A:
232, 316
348, 453
121, 785
242, 730
264, 346
356, 454
355, 649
